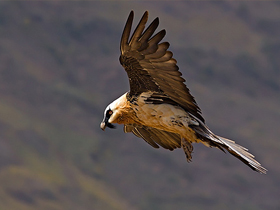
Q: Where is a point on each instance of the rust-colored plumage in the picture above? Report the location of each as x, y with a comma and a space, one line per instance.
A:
159, 107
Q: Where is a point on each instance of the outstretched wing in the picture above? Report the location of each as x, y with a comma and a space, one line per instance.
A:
155, 137
150, 67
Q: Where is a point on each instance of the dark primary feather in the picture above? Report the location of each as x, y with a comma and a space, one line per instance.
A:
150, 67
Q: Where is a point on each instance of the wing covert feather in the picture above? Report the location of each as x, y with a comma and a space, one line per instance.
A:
155, 137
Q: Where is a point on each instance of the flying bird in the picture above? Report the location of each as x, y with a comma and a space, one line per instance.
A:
159, 107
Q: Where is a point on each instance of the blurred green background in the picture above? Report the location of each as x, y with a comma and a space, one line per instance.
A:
59, 69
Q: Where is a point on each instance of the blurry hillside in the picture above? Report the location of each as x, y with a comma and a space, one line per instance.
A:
59, 69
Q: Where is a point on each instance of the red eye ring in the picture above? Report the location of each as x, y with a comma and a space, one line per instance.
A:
110, 112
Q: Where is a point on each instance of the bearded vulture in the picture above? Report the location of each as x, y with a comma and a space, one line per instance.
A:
159, 107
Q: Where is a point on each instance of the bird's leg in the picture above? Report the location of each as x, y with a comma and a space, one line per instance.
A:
188, 148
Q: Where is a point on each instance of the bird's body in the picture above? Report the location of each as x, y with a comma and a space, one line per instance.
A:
159, 107
163, 116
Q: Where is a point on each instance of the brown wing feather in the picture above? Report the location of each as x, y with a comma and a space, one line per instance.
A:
150, 67
155, 137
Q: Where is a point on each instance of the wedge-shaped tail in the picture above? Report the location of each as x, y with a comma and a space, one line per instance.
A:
205, 134
242, 154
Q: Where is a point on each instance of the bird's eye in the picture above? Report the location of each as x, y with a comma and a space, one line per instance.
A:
110, 112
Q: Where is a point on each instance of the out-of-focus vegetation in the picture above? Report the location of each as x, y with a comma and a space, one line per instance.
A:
59, 69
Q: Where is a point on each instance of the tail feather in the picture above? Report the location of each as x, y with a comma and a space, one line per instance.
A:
240, 152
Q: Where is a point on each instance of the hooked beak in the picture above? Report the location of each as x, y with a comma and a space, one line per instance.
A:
103, 126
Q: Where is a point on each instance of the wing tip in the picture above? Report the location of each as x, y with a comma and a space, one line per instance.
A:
146, 13
126, 31
131, 12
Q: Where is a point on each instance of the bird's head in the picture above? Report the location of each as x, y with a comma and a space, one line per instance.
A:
113, 112
108, 116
